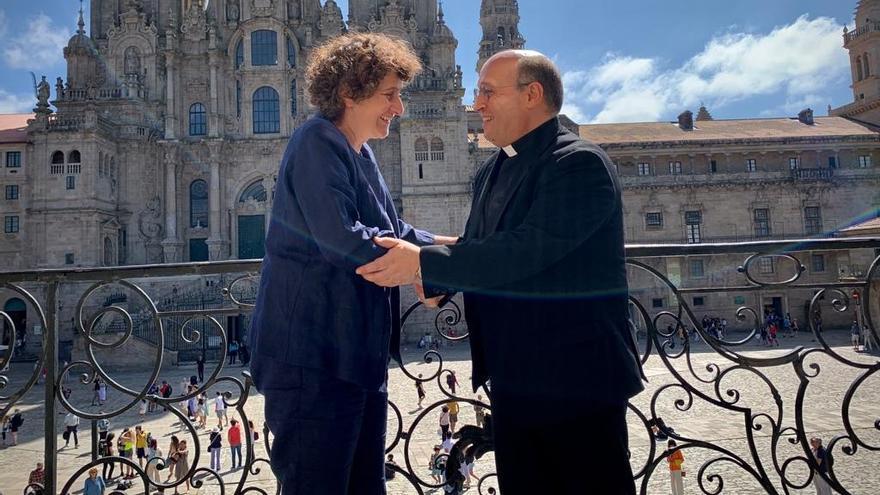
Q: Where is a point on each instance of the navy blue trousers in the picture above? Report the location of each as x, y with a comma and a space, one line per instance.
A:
328, 435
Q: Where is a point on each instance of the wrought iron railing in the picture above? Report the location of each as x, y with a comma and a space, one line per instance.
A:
788, 464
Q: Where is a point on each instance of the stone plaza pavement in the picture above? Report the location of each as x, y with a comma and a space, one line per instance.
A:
822, 417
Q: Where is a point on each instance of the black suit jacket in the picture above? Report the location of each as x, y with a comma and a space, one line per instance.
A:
543, 277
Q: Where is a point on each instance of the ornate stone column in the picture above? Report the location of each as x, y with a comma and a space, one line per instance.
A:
172, 247
170, 114
216, 243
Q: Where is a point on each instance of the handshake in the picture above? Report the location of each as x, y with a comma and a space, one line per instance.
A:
399, 266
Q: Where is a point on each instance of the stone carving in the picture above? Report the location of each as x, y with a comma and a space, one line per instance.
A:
392, 20
149, 221
132, 61
195, 23
331, 22
262, 8
59, 88
42, 91
233, 11
293, 9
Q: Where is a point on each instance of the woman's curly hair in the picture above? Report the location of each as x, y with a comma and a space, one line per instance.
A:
353, 65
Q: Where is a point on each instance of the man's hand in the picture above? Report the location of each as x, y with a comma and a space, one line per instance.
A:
396, 267
430, 303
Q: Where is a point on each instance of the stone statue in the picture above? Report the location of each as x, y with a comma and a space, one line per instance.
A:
132, 60
233, 11
43, 92
59, 88
293, 9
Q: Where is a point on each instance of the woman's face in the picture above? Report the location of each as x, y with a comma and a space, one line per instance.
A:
371, 117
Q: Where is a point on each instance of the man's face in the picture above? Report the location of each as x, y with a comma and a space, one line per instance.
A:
501, 101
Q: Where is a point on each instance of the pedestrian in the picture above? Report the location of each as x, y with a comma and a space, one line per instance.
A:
823, 461
181, 467
140, 444
480, 412
126, 450
794, 327
444, 422
94, 484
220, 410
234, 438
153, 392
855, 335
201, 411
420, 390
102, 393
15, 424
389, 471
36, 480
4, 428
154, 457
233, 351
142, 409
868, 338
774, 329
215, 444
71, 424
173, 456
435, 465
105, 447
96, 397
542, 255
453, 415
244, 354
786, 325
103, 428
200, 367
451, 381
675, 460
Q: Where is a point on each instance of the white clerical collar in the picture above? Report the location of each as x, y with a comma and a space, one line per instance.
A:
509, 151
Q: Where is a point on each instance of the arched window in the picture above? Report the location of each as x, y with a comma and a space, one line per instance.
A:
293, 97
436, 149
100, 164
239, 54
291, 53
255, 191
198, 120
501, 36
859, 69
264, 47
421, 172
421, 148
57, 157
267, 117
867, 67
108, 252
198, 203
73, 157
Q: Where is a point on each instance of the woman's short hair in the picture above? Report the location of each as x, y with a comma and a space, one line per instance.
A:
353, 65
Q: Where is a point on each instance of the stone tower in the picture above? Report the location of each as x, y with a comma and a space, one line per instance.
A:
863, 44
500, 22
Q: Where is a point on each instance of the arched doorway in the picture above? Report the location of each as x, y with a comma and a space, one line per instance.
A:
251, 212
17, 312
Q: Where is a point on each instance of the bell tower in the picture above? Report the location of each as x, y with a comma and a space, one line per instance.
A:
500, 22
863, 44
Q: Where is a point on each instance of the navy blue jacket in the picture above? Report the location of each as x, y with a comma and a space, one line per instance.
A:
312, 309
543, 273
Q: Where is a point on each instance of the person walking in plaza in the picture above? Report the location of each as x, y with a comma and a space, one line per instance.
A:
102, 392
420, 390
451, 381
71, 424
220, 410
181, 467
154, 457
140, 445
820, 454
543, 270
154, 391
868, 338
855, 335
233, 351
96, 397
322, 336
103, 428
676, 473
202, 411
215, 444
444, 422
173, 447
36, 480
434, 465
234, 439
200, 367
105, 449
4, 427
126, 450
15, 424
94, 484
480, 412
453, 415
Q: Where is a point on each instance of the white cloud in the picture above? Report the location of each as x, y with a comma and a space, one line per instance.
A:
798, 60
12, 103
40, 45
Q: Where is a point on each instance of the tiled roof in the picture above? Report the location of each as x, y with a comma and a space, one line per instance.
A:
864, 228
724, 130
13, 127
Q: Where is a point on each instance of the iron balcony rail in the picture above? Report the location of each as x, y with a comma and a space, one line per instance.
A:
771, 474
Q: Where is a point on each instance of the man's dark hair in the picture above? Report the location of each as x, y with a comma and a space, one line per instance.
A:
538, 68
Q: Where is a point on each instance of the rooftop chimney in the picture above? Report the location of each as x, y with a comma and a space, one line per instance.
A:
686, 121
806, 116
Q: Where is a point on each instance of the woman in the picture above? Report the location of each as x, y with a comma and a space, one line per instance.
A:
154, 457
675, 460
321, 334
107, 451
172, 456
181, 467
94, 484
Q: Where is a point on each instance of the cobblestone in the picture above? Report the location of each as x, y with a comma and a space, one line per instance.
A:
702, 420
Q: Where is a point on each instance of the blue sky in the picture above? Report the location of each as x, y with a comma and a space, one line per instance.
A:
623, 61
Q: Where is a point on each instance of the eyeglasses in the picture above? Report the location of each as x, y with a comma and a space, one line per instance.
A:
488, 93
